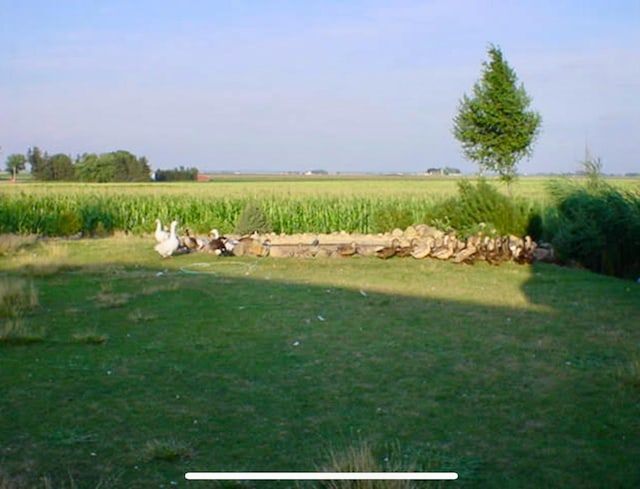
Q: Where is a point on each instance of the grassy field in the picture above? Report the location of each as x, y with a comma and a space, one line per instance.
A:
260, 186
126, 371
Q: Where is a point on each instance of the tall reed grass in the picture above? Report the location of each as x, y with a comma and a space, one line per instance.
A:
362, 458
17, 297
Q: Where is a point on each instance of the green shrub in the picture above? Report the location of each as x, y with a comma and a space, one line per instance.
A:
535, 225
96, 220
60, 222
597, 226
390, 217
68, 223
483, 207
253, 219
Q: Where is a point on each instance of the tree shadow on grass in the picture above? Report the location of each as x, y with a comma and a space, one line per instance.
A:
510, 376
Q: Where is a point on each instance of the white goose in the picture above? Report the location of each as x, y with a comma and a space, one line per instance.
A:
161, 234
169, 246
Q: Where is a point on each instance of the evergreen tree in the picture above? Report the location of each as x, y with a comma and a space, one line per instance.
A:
494, 125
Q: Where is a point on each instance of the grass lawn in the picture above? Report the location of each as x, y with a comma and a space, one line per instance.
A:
512, 376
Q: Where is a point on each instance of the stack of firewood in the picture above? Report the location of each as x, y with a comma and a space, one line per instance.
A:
420, 241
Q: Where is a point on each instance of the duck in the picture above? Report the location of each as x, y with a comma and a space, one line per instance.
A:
190, 241
446, 250
347, 249
386, 252
403, 251
161, 233
169, 246
217, 244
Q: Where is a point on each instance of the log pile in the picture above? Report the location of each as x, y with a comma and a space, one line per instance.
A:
418, 242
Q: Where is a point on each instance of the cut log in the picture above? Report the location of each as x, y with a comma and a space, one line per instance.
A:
421, 250
424, 231
465, 255
445, 249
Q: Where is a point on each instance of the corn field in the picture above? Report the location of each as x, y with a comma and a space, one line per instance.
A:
362, 205
66, 213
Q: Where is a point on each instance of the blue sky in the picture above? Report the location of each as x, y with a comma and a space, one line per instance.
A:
268, 85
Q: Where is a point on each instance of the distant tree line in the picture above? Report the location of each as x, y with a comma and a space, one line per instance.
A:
116, 166
181, 174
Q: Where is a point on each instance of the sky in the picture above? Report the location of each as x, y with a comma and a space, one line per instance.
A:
292, 85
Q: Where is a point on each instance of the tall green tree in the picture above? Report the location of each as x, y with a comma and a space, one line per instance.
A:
62, 167
41, 168
85, 167
16, 163
130, 168
117, 166
97, 168
495, 125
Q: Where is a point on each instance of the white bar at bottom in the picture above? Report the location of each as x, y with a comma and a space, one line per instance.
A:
316, 476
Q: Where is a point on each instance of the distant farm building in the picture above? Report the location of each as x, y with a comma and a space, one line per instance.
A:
442, 171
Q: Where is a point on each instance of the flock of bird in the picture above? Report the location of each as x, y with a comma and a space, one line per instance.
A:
170, 243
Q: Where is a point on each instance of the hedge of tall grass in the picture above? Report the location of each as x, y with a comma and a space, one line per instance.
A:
596, 225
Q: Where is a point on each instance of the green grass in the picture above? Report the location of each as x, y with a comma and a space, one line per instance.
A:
512, 376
